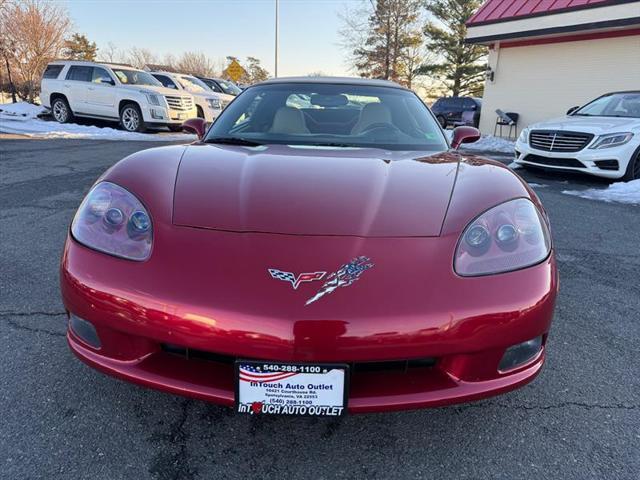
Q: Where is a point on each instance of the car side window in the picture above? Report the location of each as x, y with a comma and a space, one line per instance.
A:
52, 71
166, 81
100, 75
469, 104
79, 73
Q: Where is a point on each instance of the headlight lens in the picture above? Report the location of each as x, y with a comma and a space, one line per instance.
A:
612, 140
510, 236
112, 220
214, 103
524, 136
152, 98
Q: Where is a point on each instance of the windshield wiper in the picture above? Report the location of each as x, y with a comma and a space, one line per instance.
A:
331, 144
233, 141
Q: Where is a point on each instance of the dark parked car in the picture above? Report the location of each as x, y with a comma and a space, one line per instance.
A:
221, 86
457, 111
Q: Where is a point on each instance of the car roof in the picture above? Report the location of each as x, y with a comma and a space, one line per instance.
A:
63, 61
334, 80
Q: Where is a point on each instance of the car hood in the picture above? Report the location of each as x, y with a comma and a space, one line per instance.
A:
151, 88
595, 125
314, 191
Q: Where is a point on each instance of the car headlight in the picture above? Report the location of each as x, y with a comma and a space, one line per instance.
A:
612, 140
152, 98
214, 103
113, 221
509, 236
524, 136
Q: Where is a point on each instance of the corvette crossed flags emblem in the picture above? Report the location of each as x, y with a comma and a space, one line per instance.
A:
346, 275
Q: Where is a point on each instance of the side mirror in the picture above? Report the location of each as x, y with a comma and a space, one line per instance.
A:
571, 110
196, 126
107, 81
464, 135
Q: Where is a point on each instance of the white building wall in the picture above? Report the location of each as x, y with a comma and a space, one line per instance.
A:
543, 81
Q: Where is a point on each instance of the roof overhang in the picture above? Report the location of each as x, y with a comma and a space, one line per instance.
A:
603, 18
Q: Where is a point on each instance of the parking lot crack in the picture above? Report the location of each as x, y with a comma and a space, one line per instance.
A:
170, 466
32, 314
18, 326
569, 404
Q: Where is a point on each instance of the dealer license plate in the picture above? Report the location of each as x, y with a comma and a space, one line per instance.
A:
291, 389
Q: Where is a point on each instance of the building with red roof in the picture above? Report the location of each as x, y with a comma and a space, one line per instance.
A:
546, 56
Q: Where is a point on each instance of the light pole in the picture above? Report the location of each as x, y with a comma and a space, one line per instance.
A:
276, 59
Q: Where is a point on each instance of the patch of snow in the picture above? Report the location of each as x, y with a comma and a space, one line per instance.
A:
620, 192
489, 143
22, 118
20, 111
537, 185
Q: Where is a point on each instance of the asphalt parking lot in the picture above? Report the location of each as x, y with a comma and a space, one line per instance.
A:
579, 420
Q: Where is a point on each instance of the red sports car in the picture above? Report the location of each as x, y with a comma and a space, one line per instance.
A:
322, 248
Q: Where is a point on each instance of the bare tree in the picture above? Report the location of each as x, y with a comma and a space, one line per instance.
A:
111, 54
196, 63
139, 57
36, 32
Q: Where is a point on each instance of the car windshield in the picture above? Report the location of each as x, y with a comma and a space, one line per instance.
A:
193, 84
135, 77
614, 105
229, 87
335, 115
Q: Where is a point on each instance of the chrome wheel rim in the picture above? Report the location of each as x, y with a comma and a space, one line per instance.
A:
60, 111
130, 119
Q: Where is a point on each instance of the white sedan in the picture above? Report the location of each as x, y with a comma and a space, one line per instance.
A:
601, 138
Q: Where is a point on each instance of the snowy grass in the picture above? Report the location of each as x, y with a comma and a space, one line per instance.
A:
620, 192
22, 118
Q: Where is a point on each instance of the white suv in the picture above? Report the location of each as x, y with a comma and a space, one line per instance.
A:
113, 92
602, 138
208, 102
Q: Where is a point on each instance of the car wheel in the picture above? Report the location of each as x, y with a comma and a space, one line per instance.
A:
633, 169
175, 128
200, 113
442, 121
61, 111
131, 118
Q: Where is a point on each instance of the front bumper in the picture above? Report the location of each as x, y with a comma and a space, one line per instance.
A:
465, 325
606, 163
158, 115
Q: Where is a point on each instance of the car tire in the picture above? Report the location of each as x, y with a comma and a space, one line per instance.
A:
200, 113
61, 111
442, 121
131, 118
633, 168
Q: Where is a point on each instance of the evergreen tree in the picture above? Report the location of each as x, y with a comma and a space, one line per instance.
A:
78, 47
391, 41
460, 65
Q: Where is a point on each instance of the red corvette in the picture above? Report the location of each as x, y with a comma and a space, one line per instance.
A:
321, 249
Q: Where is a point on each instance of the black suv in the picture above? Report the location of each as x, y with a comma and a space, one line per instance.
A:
457, 111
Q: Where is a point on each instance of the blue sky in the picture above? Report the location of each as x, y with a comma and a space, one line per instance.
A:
309, 39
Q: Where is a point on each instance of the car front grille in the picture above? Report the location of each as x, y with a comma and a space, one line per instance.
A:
383, 366
555, 162
179, 103
558, 140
